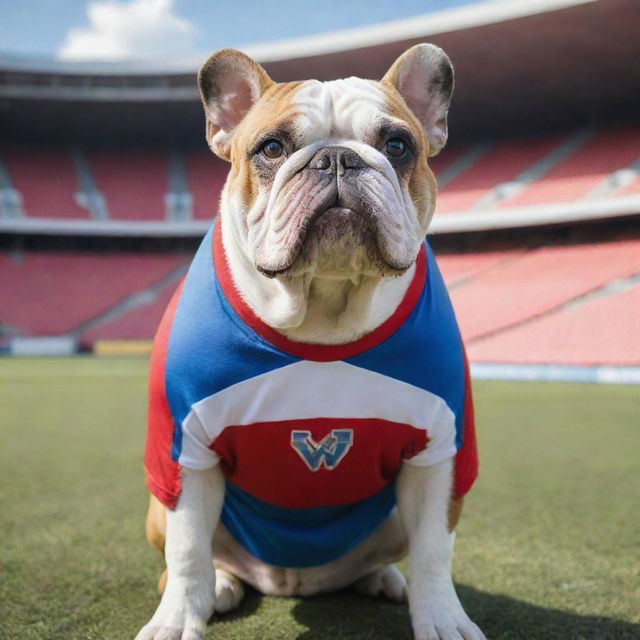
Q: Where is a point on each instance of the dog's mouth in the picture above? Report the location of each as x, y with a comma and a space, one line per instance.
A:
341, 232
338, 219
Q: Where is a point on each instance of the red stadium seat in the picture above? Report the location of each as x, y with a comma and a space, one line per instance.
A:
602, 331
538, 281
503, 162
583, 170
446, 159
457, 268
53, 293
139, 323
134, 182
46, 180
205, 178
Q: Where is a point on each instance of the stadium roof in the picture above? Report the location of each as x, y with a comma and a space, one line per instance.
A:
471, 13
521, 65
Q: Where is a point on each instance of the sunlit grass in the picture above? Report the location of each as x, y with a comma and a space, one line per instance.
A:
547, 549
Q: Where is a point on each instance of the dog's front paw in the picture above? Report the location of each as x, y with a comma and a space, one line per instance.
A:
440, 616
149, 632
179, 617
172, 626
229, 591
388, 582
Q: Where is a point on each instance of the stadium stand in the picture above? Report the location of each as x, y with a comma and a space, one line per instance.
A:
137, 323
46, 180
538, 281
497, 294
51, 293
205, 178
501, 164
513, 305
583, 171
458, 268
134, 182
602, 330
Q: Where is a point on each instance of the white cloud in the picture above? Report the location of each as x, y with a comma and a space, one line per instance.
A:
137, 29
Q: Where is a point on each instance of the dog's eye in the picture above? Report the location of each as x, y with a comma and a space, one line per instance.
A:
272, 149
395, 148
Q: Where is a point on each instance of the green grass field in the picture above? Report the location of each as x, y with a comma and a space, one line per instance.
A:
548, 547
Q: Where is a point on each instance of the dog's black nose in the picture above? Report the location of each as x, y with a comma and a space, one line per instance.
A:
334, 159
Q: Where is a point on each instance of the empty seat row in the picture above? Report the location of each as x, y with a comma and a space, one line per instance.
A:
576, 304
55, 293
166, 184
112, 184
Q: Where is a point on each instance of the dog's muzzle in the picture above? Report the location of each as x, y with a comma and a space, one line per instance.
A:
335, 192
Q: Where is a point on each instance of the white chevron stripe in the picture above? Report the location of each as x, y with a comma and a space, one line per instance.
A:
309, 389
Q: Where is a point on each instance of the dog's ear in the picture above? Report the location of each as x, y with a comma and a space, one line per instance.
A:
423, 76
230, 84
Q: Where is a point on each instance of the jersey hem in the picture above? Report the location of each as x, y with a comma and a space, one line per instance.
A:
427, 461
167, 498
187, 464
464, 482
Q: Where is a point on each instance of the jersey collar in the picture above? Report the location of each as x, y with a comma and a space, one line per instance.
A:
310, 351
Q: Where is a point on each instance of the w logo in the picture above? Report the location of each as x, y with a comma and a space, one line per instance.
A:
328, 452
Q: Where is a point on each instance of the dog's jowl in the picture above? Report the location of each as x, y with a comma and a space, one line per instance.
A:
310, 415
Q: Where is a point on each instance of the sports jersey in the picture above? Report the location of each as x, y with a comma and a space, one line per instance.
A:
310, 437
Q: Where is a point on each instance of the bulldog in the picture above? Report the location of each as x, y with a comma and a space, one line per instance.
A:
310, 415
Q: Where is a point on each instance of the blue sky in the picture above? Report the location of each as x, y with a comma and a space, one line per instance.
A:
121, 29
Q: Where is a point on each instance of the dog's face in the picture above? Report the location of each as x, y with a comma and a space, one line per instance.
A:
329, 177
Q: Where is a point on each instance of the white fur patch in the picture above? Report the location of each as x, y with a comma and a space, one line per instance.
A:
347, 108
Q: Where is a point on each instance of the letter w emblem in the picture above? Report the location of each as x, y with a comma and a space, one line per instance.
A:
328, 452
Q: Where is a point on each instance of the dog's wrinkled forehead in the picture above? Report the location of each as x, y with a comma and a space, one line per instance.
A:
340, 109
313, 111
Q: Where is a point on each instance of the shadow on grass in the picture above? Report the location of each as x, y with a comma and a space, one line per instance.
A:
348, 615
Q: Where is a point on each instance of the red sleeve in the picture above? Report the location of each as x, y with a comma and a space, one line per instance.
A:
162, 472
466, 461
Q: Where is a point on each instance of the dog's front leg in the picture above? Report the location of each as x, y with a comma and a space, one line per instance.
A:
423, 502
188, 599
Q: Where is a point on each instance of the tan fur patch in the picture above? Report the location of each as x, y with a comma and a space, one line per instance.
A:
274, 108
422, 182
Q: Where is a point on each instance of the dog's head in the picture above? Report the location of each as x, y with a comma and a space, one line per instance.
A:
329, 177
